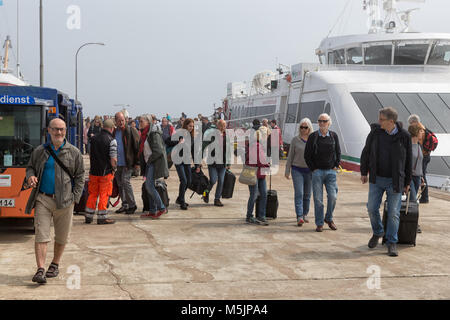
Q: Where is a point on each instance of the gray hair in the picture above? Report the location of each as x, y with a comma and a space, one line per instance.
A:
148, 118
308, 123
327, 116
390, 113
413, 118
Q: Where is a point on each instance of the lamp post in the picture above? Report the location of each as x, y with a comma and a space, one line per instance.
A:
76, 66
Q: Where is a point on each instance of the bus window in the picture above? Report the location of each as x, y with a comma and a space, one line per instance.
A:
20, 133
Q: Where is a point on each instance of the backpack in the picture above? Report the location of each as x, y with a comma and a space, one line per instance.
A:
431, 141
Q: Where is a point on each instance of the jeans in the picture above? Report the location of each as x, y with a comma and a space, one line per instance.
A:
303, 189
216, 174
185, 176
322, 177
426, 161
260, 187
154, 198
415, 185
123, 176
394, 201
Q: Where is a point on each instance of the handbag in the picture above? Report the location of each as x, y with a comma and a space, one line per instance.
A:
248, 175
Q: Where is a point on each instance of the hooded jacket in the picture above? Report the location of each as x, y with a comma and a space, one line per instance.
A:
400, 152
158, 157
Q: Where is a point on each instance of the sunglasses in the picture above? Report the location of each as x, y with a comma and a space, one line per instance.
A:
304, 128
323, 121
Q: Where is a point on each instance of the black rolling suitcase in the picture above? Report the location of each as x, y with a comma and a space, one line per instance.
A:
161, 187
228, 185
272, 203
409, 220
80, 207
199, 182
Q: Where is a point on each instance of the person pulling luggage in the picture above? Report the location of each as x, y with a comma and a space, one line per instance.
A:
153, 159
256, 157
183, 161
387, 158
217, 168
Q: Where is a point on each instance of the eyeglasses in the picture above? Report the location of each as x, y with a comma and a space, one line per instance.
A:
323, 121
304, 128
59, 129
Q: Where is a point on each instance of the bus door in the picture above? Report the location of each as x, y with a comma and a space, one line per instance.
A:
21, 131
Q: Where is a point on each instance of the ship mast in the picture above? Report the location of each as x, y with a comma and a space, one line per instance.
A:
7, 46
394, 20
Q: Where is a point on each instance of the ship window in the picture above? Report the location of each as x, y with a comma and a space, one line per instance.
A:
336, 57
354, 55
311, 110
327, 109
368, 104
392, 100
410, 53
416, 105
291, 113
378, 55
440, 54
437, 107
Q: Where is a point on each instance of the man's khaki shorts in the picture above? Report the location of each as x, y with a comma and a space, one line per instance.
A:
45, 210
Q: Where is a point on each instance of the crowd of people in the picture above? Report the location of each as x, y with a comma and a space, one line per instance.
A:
393, 161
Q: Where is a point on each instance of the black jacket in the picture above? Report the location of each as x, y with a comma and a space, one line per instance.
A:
99, 157
311, 152
401, 157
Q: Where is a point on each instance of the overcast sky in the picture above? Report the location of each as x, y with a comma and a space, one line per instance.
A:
178, 55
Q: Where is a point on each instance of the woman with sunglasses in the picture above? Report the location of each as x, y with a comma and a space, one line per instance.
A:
301, 174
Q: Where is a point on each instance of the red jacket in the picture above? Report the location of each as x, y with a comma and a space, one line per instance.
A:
258, 150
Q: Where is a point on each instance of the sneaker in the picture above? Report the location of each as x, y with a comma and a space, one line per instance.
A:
373, 242
217, 203
392, 250
52, 271
252, 220
88, 220
148, 215
262, 221
131, 210
319, 229
300, 222
39, 277
205, 196
106, 221
331, 225
181, 202
121, 210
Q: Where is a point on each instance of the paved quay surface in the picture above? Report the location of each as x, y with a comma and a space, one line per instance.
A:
208, 252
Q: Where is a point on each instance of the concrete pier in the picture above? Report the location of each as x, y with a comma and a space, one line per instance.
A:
209, 252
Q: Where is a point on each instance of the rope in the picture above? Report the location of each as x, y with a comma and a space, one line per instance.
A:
339, 18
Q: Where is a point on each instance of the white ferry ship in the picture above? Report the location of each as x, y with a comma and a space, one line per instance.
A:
356, 76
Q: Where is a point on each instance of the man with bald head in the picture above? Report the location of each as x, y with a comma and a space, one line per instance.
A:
53, 196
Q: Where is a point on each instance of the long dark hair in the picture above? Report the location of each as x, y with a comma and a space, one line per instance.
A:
185, 125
